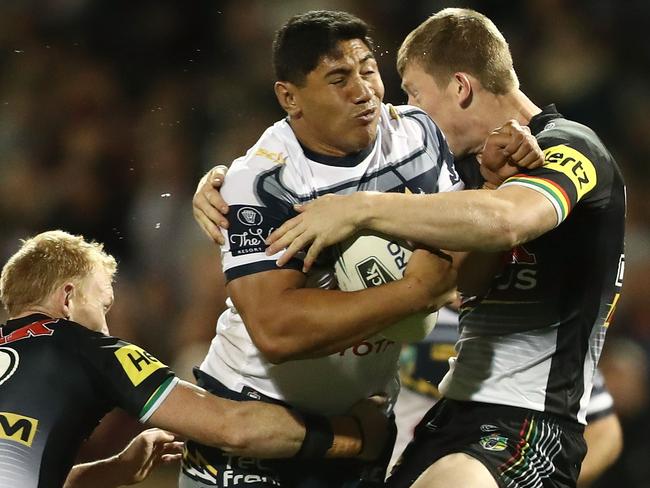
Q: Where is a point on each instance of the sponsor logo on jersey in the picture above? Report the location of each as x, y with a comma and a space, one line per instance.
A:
137, 363
18, 428
249, 216
521, 255
575, 165
521, 272
488, 428
494, 442
373, 273
32, 330
276, 157
9, 360
249, 229
369, 346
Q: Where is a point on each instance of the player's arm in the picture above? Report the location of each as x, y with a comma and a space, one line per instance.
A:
465, 221
263, 430
471, 220
287, 321
132, 465
143, 386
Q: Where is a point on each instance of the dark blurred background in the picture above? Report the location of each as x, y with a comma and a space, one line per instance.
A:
111, 111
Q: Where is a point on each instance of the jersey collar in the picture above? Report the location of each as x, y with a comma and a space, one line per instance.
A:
348, 161
13, 324
539, 121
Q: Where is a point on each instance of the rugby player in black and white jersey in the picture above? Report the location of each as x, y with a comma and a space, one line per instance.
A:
59, 377
529, 346
424, 364
291, 336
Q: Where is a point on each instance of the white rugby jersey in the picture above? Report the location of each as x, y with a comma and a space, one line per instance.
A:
409, 154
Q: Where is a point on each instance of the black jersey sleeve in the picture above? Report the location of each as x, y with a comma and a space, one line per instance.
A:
577, 169
129, 376
567, 177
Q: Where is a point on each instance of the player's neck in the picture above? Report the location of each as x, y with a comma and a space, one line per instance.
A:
514, 105
40, 309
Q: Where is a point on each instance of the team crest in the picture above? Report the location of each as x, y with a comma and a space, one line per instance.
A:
249, 216
494, 442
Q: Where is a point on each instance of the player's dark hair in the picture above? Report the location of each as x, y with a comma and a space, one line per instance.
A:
304, 39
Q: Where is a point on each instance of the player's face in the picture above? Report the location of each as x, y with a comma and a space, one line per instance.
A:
92, 299
340, 102
439, 103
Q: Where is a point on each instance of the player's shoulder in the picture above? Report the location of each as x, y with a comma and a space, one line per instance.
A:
410, 122
404, 115
270, 150
561, 135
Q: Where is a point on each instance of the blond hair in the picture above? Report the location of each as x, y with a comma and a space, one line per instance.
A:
460, 40
45, 262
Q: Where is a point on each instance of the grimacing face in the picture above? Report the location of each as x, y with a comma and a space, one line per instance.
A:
92, 299
438, 103
340, 101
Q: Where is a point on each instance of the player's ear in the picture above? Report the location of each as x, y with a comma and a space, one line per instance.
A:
286, 93
65, 298
463, 90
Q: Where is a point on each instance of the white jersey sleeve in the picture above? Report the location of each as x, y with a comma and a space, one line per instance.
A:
254, 212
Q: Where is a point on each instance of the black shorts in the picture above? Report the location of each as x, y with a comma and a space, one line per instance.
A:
204, 466
521, 448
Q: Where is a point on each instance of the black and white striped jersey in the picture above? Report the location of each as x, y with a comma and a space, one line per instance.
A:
534, 339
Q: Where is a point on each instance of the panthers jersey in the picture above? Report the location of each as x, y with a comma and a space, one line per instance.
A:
534, 339
409, 154
424, 364
57, 380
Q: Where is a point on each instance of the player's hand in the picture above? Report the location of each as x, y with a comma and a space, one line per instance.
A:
374, 425
146, 451
433, 274
322, 222
508, 149
207, 205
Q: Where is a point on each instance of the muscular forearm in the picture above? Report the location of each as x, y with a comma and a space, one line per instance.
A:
309, 323
472, 220
251, 428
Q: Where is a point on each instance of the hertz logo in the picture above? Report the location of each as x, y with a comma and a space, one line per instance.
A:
137, 363
17, 428
575, 165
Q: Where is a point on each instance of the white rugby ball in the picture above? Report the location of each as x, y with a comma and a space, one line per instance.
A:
371, 259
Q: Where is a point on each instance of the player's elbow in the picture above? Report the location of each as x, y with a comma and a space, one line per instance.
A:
271, 340
236, 440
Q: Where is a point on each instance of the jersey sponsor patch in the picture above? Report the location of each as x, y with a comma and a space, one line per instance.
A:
575, 165
18, 428
9, 360
137, 363
248, 227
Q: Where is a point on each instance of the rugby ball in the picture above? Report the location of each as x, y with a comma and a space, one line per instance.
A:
371, 259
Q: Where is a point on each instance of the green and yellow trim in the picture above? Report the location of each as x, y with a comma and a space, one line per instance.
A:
156, 399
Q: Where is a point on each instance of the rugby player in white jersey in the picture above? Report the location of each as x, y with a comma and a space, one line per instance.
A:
515, 400
290, 336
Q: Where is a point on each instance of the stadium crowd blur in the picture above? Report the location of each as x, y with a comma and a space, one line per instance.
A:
111, 111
